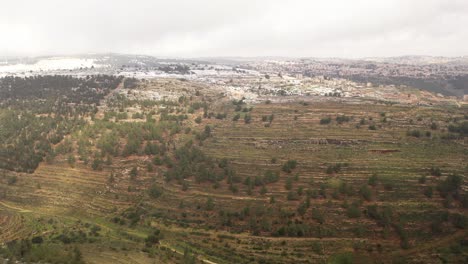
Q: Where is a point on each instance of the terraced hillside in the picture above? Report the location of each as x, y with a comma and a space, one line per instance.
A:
198, 177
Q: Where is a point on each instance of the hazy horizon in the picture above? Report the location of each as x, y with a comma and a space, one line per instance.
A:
223, 57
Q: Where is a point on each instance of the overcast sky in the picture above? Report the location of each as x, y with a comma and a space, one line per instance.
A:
200, 28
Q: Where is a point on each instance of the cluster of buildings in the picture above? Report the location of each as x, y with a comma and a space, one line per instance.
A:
343, 67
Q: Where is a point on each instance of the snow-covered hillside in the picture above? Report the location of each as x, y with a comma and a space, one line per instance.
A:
49, 64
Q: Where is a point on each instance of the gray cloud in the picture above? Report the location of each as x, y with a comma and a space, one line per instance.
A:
195, 28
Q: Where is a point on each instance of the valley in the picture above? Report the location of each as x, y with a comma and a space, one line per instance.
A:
174, 170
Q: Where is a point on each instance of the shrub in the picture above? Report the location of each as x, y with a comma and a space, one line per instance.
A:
334, 168
133, 172
37, 240
414, 133
289, 166
464, 201
209, 204
71, 160
233, 188
95, 230
207, 131
342, 119
389, 186
353, 211
372, 181
318, 216
302, 208
462, 129
422, 179
155, 191
428, 192
366, 193
236, 117
185, 186
459, 221
221, 116
383, 216
325, 120
153, 238
435, 171
271, 117
97, 164
247, 119
157, 161
288, 184
272, 200
292, 196
342, 258
189, 257
448, 202
451, 184
12, 180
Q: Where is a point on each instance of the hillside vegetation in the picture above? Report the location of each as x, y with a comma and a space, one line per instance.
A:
95, 172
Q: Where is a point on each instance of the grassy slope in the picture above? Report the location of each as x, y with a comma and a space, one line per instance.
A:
69, 194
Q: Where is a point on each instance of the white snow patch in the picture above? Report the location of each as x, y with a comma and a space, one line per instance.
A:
51, 64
